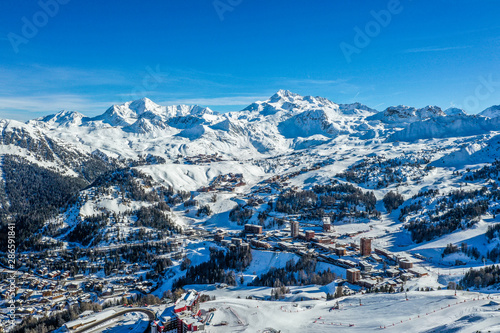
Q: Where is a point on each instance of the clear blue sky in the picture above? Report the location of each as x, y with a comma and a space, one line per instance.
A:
88, 55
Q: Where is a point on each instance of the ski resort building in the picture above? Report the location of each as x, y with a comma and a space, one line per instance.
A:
366, 246
405, 264
253, 229
184, 317
309, 235
188, 302
353, 275
294, 229
327, 225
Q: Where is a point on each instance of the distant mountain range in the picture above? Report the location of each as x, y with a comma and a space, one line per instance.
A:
284, 122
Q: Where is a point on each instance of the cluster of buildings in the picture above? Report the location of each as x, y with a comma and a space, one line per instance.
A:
203, 158
287, 176
366, 267
38, 296
45, 292
397, 268
278, 182
228, 183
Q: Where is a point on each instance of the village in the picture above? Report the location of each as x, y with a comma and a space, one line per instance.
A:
366, 267
45, 292
46, 284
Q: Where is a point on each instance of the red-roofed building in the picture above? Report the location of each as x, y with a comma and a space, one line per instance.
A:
188, 302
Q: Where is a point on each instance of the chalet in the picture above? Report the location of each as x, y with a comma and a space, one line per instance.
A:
323, 240
309, 235
27, 294
407, 276
26, 311
219, 236
367, 283
236, 241
340, 251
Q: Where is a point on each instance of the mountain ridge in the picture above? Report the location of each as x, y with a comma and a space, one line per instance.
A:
284, 122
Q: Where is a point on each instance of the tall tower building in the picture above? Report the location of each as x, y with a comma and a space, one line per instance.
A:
366, 246
294, 229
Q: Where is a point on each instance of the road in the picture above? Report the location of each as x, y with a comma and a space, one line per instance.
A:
149, 313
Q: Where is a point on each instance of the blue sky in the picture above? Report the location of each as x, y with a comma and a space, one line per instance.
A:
88, 55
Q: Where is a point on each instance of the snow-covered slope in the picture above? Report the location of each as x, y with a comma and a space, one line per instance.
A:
38, 146
491, 112
455, 112
356, 109
62, 118
402, 114
446, 127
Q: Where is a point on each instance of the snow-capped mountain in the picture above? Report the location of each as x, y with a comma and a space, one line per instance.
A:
285, 122
285, 101
458, 125
36, 145
62, 118
128, 113
402, 115
491, 112
131, 112
356, 109
455, 112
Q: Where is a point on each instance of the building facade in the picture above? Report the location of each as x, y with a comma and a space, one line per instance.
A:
366, 246
294, 229
353, 275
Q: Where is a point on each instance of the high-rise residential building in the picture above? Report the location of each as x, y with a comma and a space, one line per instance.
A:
294, 229
366, 246
353, 275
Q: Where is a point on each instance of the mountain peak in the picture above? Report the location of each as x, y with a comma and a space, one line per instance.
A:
356, 109
142, 105
403, 114
491, 112
127, 113
283, 94
63, 117
430, 111
455, 112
